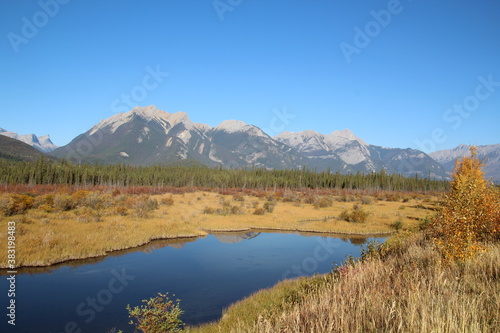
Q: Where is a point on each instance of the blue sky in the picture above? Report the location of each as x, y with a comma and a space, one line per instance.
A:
420, 74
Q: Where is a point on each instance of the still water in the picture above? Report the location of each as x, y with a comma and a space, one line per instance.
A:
208, 274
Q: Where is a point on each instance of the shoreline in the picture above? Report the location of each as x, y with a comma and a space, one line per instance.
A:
107, 253
312, 231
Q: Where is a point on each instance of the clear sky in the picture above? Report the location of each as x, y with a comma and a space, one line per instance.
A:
409, 73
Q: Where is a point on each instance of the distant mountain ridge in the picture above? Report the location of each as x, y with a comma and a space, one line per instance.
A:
42, 143
343, 151
490, 153
16, 150
147, 136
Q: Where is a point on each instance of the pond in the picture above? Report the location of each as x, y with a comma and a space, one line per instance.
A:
208, 274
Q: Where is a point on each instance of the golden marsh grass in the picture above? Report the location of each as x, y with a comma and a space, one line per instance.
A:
44, 238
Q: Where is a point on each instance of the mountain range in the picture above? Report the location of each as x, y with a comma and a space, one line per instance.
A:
343, 151
489, 153
42, 143
147, 136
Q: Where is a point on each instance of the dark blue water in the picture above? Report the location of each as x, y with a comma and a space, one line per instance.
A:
207, 274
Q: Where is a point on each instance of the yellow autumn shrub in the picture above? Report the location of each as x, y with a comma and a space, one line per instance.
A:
471, 212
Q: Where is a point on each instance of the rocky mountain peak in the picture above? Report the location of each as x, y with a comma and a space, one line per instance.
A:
345, 134
231, 126
147, 112
42, 143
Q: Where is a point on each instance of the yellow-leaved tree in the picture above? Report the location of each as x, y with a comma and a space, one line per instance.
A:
471, 212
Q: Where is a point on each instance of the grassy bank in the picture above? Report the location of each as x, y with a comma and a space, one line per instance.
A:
52, 228
405, 289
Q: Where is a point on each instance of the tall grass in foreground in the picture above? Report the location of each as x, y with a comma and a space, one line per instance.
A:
404, 288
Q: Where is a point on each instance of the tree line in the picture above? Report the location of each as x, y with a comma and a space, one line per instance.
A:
44, 171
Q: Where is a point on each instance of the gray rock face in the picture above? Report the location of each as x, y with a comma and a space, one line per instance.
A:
490, 153
343, 151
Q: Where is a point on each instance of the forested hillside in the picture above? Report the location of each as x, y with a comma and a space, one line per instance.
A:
45, 171
15, 150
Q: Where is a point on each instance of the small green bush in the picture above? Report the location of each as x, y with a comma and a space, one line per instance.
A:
366, 200
392, 197
397, 225
323, 202
46, 199
225, 210
371, 251
310, 199
359, 215
46, 208
346, 198
94, 200
345, 215
235, 210
79, 198
143, 205
271, 196
160, 314
5, 204
259, 211
269, 206
168, 201
63, 202
209, 210
424, 223
356, 214
15, 204
86, 214
238, 197
291, 197
121, 210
